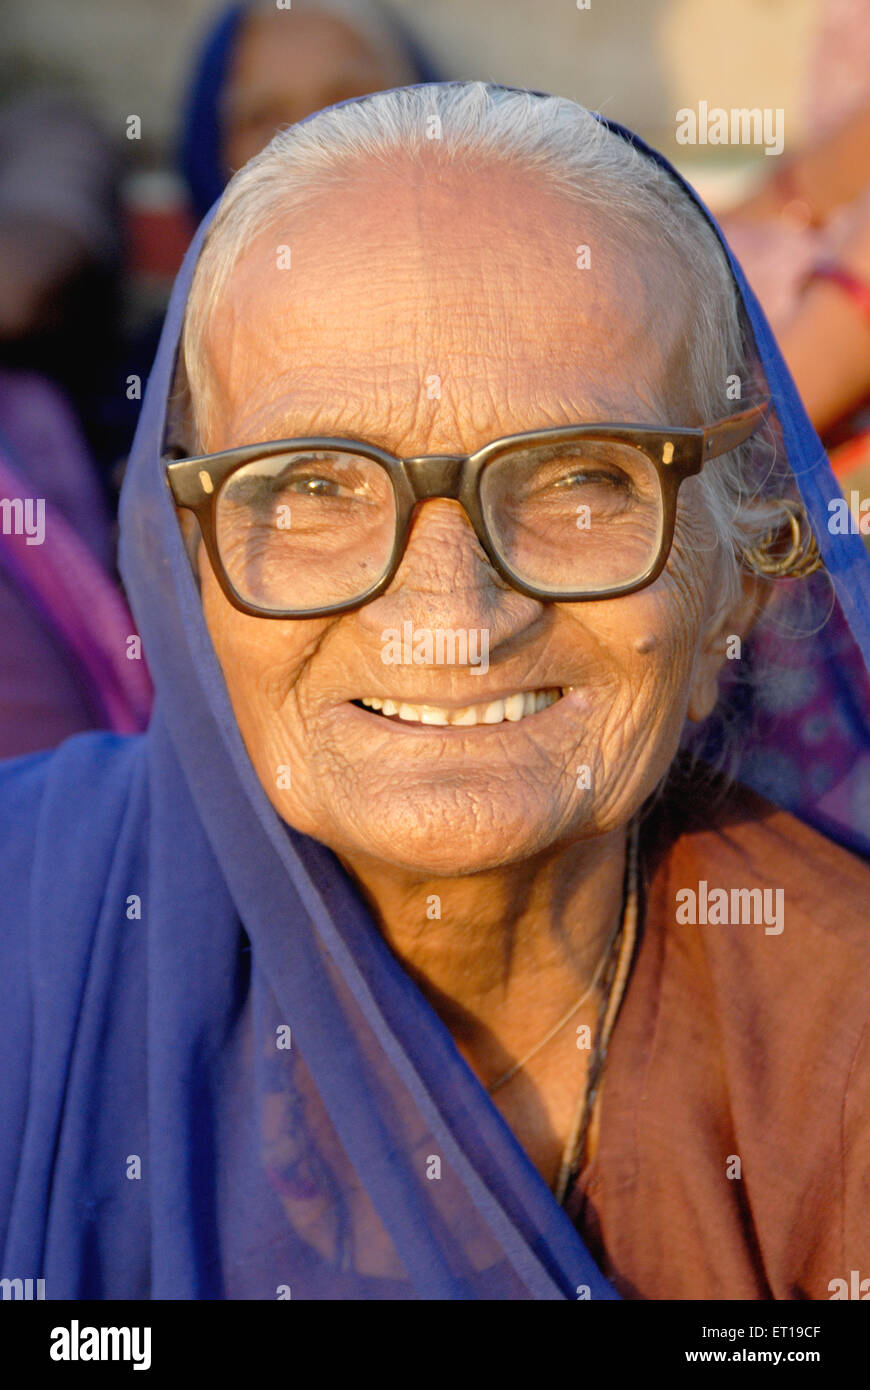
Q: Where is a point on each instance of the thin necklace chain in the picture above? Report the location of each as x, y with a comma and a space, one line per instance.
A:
574, 1151
557, 1027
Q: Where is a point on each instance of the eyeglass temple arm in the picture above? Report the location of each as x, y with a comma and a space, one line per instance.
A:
735, 429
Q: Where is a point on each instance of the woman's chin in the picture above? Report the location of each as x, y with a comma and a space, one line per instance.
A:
443, 837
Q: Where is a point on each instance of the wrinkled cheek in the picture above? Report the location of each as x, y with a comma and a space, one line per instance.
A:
241, 666
666, 636
642, 718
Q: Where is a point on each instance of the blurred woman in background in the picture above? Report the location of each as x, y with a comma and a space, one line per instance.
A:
261, 68
804, 238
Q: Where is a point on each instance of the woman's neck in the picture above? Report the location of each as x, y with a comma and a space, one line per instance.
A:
502, 955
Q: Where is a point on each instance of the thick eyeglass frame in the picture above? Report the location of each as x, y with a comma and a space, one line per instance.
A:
676, 454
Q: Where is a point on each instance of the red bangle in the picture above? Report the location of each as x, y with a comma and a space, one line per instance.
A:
857, 290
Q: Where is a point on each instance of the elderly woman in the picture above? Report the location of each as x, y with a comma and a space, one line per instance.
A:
410, 953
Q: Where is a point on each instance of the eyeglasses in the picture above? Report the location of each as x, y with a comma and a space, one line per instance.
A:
314, 526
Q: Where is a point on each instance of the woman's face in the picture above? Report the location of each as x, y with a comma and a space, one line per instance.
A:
290, 63
471, 280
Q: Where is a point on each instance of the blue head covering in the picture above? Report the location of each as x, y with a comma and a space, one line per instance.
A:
199, 153
200, 146
219, 1081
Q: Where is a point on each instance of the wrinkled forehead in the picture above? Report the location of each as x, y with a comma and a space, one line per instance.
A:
512, 303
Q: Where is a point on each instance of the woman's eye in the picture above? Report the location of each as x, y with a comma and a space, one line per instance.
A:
315, 487
264, 492
610, 477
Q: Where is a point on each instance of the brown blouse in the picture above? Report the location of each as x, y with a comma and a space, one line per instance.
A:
733, 1158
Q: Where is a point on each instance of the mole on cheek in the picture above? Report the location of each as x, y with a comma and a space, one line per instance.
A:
646, 644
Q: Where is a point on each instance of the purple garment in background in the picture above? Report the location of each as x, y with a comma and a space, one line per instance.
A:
61, 616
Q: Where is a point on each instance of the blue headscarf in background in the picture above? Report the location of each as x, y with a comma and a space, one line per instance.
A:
218, 1080
200, 147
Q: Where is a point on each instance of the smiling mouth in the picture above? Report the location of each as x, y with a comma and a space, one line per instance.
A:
510, 710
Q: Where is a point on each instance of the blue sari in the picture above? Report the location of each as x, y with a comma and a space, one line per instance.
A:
218, 1082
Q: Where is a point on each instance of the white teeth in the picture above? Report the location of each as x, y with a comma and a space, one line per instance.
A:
515, 707
429, 714
512, 709
464, 716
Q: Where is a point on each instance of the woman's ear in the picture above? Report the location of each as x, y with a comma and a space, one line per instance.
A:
722, 640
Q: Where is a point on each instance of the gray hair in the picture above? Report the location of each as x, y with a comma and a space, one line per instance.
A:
475, 123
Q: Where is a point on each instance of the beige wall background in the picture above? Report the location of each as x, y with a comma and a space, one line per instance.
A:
638, 61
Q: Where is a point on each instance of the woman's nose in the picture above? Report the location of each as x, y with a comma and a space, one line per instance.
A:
445, 580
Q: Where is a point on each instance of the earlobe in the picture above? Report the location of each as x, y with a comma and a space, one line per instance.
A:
704, 688
723, 640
